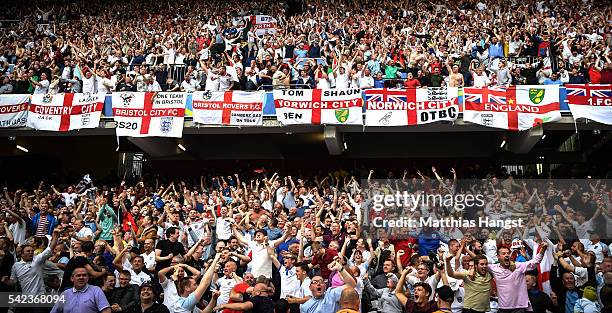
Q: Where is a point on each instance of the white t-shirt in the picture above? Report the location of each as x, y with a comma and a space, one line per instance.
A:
89, 84
42, 88
597, 248
260, 260
102, 85
224, 285
481, 80
342, 81
581, 275
84, 232
322, 83
225, 82
19, 232
212, 81
30, 274
135, 278
223, 229
69, 198
170, 293
582, 230
197, 228
366, 82
149, 259
189, 86
290, 284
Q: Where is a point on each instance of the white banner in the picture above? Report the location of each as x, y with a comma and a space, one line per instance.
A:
415, 106
65, 112
147, 114
316, 106
591, 101
13, 110
512, 108
228, 108
263, 24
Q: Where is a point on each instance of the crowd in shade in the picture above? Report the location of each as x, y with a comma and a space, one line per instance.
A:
105, 46
263, 242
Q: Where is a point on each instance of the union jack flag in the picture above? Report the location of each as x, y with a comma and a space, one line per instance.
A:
593, 102
387, 95
603, 91
485, 95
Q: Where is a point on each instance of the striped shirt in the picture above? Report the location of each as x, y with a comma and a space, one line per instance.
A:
43, 225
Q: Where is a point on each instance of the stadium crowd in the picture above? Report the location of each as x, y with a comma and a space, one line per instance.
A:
104, 46
270, 243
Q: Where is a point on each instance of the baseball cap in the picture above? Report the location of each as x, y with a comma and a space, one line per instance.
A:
262, 231
445, 293
392, 277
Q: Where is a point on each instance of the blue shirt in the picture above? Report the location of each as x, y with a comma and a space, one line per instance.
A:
187, 304
327, 304
274, 233
430, 242
549, 81
300, 53
374, 66
571, 296
496, 51
89, 299
284, 246
379, 83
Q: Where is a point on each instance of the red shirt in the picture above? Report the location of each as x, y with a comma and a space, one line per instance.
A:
325, 260
594, 75
407, 245
412, 83
239, 288
606, 76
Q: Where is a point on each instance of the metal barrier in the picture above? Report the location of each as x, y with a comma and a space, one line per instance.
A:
273, 87
7, 24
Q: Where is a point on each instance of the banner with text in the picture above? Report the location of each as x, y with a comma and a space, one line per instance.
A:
139, 114
415, 106
513, 107
263, 24
13, 110
228, 108
590, 101
316, 106
66, 111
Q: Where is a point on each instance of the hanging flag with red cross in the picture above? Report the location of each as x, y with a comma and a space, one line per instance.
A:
512, 108
316, 106
13, 110
149, 114
228, 108
263, 24
65, 111
414, 106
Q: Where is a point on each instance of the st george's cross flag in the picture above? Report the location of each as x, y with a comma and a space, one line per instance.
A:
316, 106
65, 111
149, 114
590, 101
513, 108
13, 110
228, 108
414, 106
263, 24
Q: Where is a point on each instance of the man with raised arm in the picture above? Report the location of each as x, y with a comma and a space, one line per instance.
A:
510, 280
476, 283
190, 293
323, 300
